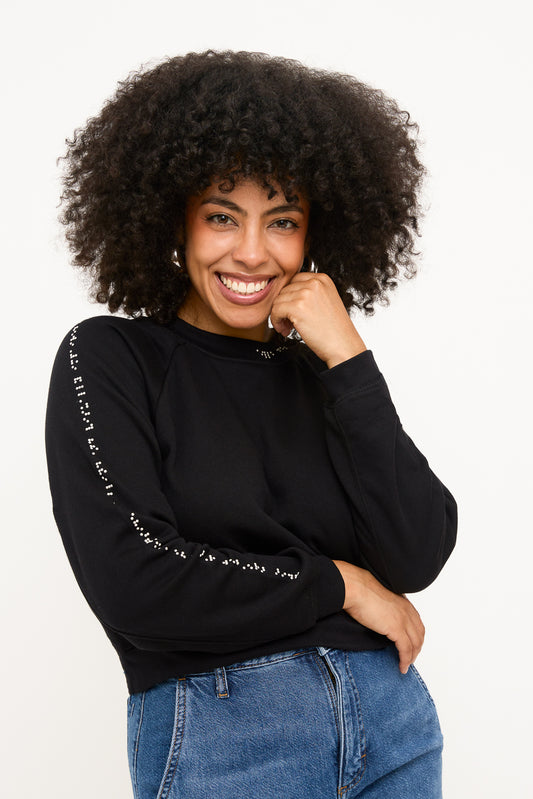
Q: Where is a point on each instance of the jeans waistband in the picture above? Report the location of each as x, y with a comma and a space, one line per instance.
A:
220, 672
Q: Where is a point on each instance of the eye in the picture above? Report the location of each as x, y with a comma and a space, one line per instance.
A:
284, 224
220, 219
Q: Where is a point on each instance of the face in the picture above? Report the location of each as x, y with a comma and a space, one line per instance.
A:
241, 249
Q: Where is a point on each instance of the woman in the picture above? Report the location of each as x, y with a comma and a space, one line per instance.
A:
238, 499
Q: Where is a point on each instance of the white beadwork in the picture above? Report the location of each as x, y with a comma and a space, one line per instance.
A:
101, 470
270, 353
85, 411
290, 575
233, 561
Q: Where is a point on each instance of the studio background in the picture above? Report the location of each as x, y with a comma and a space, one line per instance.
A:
454, 346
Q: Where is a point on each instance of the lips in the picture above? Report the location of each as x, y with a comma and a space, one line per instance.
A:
238, 288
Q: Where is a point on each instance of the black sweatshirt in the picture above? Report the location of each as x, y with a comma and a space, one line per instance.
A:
202, 485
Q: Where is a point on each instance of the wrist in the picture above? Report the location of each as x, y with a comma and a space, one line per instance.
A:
353, 577
345, 354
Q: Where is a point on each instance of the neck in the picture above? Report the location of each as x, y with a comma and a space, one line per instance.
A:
262, 333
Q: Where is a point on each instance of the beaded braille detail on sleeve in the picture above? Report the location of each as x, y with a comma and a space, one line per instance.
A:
85, 411
145, 535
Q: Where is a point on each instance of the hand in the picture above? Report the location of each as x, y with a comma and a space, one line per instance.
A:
379, 609
311, 304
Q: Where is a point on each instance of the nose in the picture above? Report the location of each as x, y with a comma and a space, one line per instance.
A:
250, 248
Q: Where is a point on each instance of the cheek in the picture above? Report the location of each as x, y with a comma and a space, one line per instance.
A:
203, 247
291, 254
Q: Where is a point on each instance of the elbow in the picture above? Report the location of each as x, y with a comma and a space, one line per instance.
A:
415, 580
415, 570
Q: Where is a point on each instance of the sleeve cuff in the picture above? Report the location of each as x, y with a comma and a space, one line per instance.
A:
330, 590
350, 376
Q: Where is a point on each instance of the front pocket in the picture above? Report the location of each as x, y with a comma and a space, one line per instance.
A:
423, 686
273, 735
151, 738
135, 713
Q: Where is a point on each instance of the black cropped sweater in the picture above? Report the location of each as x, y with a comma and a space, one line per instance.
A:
202, 485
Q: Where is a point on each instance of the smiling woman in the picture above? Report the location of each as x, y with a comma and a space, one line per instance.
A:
241, 249
236, 494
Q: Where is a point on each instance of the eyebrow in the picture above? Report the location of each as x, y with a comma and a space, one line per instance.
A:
279, 209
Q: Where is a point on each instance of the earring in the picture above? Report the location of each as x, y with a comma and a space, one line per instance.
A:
176, 262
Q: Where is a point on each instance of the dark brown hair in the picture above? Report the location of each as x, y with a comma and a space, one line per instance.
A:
170, 130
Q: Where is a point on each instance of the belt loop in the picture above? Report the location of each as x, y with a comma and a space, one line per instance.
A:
323, 650
221, 683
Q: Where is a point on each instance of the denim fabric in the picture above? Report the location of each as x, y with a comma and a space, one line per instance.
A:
312, 723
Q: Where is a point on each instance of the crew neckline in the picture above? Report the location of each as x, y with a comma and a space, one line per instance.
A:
277, 348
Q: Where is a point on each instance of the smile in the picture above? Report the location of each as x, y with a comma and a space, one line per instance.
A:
242, 287
244, 292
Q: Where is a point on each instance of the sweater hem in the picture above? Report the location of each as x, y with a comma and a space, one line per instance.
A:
143, 670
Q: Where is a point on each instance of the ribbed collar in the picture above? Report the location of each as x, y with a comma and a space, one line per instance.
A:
277, 349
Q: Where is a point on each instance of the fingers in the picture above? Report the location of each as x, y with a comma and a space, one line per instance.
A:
293, 298
383, 611
313, 307
409, 637
405, 652
282, 325
291, 306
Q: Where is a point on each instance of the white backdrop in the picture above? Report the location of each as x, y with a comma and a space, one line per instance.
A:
454, 346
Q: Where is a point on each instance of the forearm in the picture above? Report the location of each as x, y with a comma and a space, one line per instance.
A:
405, 519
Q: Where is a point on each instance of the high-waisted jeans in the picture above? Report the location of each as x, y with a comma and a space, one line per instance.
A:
310, 723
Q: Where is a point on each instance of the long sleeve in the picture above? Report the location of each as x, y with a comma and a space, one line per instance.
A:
405, 518
137, 570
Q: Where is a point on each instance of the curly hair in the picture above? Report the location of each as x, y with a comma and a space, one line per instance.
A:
168, 132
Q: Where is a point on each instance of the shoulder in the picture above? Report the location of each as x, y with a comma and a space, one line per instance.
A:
117, 334
128, 328
120, 347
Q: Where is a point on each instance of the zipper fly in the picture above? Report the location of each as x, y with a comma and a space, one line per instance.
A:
333, 680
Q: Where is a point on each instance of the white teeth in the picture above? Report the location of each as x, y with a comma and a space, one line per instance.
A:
241, 287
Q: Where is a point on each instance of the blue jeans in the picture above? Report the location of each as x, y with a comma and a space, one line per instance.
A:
310, 723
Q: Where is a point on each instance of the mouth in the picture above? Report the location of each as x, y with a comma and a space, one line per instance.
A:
244, 292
